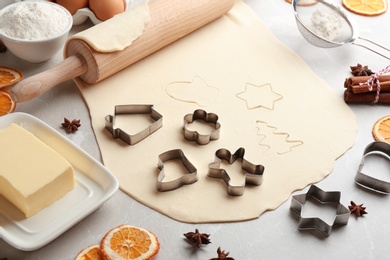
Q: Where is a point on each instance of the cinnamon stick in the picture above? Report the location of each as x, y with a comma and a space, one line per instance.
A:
356, 80
368, 97
353, 84
385, 87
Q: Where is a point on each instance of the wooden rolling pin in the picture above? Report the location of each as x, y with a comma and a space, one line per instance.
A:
170, 20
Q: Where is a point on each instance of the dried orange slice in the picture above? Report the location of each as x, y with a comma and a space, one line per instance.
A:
89, 253
381, 129
366, 7
7, 105
128, 242
9, 76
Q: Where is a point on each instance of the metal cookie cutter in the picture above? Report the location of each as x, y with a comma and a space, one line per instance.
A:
202, 139
366, 181
253, 176
188, 178
134, 109
342, 213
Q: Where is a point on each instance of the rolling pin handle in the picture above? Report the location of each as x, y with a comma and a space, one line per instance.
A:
38, 84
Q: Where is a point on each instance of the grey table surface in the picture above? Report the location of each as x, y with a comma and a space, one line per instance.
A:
275, 234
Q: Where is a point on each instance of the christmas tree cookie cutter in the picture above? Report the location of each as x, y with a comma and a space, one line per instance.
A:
369, 182
199, 138
342, 213
253, 175
187, 178
132, 139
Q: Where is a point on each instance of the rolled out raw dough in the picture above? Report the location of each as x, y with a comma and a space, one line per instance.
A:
127, 26
267, 99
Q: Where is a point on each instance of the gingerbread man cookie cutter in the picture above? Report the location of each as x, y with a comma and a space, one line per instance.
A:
199, 138
187, 178
253, 175
369, 182
342, 213
132, 139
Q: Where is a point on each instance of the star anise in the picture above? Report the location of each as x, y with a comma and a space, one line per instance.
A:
71, 126
222, 255
360, 70
198, 238
359, 210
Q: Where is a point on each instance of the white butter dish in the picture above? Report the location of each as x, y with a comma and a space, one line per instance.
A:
94, 185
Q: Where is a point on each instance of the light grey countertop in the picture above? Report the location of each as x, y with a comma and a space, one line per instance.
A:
275, 234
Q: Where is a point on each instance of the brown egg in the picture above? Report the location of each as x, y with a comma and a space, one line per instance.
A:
72, 5
105, 9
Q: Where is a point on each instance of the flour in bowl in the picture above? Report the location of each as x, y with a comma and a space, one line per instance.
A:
33, 20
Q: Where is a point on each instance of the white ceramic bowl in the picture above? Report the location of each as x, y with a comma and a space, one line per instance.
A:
37, 50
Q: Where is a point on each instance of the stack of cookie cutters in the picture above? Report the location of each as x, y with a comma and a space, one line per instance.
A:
132, 139
369, 182
253, 175
342, 213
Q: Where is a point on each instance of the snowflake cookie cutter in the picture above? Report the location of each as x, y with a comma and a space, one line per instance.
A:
369, 182
342, 213
133, 109
201, 139
253, 175
189, 177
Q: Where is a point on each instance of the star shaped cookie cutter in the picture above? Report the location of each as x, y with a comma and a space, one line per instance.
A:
366, 181
342, 213
202, 139
188, 178
133, 109
253, 175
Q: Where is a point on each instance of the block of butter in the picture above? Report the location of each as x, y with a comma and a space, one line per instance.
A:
32, 174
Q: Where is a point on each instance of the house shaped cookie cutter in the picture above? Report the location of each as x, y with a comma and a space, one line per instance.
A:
342, 213
132, 139
369, 182
253, 175
187, 178
202, 139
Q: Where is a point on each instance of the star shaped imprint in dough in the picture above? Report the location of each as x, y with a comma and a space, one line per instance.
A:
259, 96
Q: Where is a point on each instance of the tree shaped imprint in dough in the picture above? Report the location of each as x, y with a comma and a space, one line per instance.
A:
274, 141
195, 91
259, 96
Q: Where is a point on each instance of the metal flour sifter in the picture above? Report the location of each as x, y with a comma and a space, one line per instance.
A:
326, 25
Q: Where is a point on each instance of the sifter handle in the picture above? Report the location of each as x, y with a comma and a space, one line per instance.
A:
29, 88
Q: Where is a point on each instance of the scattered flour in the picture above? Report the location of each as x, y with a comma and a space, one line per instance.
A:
326, 24
33, 20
